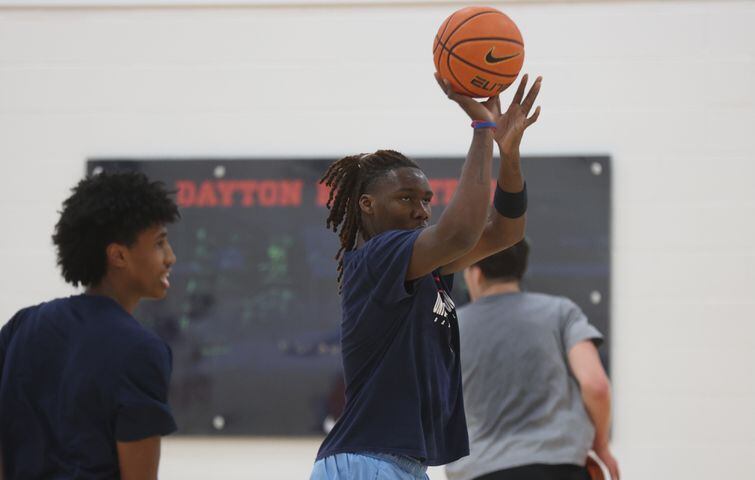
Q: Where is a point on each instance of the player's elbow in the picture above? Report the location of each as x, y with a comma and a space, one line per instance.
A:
597, 389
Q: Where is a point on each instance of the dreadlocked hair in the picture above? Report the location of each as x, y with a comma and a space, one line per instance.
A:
347, 179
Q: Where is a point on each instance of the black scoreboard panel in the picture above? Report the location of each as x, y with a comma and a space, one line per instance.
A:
253, 313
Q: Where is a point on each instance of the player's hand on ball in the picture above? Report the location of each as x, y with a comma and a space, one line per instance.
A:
512, 124
487, 111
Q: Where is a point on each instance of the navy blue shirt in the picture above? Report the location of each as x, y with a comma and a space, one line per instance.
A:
400, 347
76, 375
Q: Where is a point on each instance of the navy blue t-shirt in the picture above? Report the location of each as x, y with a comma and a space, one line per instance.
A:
76, 375
400, 344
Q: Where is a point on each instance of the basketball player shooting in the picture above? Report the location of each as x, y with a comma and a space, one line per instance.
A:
399, 334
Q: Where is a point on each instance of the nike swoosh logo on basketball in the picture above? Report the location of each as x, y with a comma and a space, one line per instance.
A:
489, 58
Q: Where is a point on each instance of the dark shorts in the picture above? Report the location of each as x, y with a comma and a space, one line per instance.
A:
539, 471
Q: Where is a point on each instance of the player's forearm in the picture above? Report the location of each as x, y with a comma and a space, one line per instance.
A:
503, 231
597, 400
466, 214
510, 176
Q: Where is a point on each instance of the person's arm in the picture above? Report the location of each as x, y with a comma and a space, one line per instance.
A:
142, 413
138, 460
585, 364
501, 232
5, 333
461, 224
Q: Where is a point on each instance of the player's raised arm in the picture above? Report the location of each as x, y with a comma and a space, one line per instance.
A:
460, 226
507, 220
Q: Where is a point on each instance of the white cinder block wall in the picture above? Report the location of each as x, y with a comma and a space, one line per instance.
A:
665, 88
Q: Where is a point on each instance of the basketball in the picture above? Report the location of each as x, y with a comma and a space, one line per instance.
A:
479, 50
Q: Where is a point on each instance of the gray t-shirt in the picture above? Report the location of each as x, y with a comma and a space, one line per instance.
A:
522, 402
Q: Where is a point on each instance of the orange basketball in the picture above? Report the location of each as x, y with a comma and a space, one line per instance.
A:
479, 50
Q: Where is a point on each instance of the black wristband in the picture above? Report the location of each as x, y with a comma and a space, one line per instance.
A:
510, 205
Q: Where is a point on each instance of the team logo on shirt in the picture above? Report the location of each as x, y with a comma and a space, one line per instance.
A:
444, 306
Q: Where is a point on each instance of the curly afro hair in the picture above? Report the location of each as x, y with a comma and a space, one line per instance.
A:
104, 209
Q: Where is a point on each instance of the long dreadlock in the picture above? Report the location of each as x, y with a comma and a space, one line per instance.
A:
349, 178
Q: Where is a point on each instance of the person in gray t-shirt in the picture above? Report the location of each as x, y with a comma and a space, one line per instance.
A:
536, 396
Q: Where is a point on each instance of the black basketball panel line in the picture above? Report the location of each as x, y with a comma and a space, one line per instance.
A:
450, 70
449, 52
467, 21
475, 39
445, 26
482, 69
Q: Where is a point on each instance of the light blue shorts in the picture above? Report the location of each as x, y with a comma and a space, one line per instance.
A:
368, 466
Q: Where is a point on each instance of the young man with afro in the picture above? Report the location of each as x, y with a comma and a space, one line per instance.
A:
83, 386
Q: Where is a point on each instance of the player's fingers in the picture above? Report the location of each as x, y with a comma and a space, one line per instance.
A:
493, 105
532, 96
497, 104
442, 83
452, 94
520, 90
533, 118
467, 103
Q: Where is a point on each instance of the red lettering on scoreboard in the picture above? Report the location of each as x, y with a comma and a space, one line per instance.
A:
268, 193
235, 193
